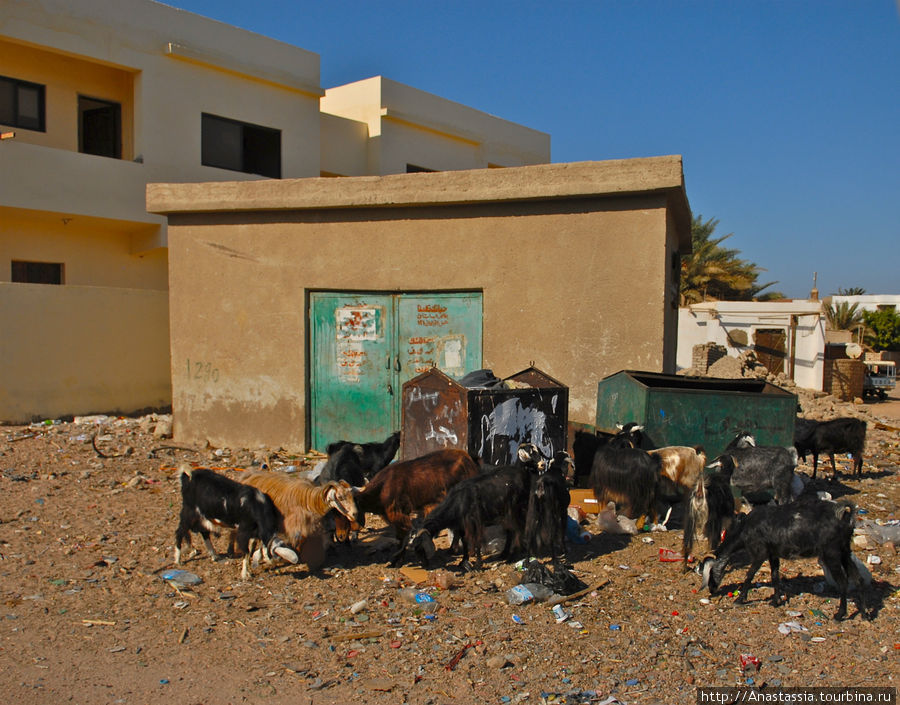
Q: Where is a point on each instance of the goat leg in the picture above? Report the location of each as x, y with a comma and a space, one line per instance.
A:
745, 588
778, 597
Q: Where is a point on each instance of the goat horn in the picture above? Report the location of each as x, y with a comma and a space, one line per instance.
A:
706, 569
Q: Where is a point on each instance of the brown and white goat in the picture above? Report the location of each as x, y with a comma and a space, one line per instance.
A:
301, 506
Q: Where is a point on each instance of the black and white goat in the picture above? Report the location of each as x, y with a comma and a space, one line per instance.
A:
710, 512
807, 528
210, 500
843, 435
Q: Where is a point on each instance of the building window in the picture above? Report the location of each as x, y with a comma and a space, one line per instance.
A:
37, 272
413, 169
99, 127
22, 104
240, 146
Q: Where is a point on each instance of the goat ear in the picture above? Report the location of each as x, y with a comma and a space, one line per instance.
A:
619, 426
330, 493
717, 463
523, 454
344, 483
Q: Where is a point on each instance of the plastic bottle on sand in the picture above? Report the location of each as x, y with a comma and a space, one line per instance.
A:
419, 597
528, 592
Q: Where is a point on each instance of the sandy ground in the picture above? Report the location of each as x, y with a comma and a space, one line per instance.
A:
87, 618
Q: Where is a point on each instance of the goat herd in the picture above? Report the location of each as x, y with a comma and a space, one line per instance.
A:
273, 514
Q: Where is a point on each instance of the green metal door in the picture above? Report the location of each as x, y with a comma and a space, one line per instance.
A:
439, 330
365, 346
351, 370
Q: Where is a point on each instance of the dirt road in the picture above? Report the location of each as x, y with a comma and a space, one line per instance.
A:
87, 618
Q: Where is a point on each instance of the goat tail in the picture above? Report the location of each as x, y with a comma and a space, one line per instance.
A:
697, 515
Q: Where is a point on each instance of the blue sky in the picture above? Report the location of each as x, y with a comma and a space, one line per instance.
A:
787, 112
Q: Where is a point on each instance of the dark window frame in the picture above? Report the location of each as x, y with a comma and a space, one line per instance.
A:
15, 84
87, 137
33, 272
258, 151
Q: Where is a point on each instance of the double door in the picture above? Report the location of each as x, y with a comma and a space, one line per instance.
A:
365, 346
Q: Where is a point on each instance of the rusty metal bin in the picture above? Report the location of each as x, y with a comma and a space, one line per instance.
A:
488, 422
677, 410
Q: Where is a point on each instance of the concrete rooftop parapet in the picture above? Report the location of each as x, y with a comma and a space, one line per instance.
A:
621, 177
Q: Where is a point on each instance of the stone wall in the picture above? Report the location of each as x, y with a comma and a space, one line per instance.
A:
705, 355
844, 378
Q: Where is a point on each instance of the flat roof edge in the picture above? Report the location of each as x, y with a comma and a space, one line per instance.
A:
622, 177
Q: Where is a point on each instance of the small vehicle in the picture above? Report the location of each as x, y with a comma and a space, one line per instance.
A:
881, 378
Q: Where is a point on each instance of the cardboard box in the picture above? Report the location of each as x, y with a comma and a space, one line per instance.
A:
584, 499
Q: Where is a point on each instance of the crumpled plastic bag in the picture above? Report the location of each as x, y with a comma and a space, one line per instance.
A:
615, 524
558, 578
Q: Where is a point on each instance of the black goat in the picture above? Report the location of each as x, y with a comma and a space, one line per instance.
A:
843, 435
357, 462
807, 528
209, 500
498, 496
755, 470
584, 447
547, 516
627, 475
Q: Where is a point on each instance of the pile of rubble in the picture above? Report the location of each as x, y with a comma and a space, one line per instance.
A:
814, 404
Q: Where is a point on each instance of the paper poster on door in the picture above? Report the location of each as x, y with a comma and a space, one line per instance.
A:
355, 325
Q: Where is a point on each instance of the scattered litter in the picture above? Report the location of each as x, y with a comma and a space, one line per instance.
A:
560, 614
576, 533
667, 555
558, 578
358, 607
788, 627
873, 559
181, 577
528, 592
748, 661
416, 575
818, 639
517, 619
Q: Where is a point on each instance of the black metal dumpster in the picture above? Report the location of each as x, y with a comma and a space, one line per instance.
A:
488, 422
676, 410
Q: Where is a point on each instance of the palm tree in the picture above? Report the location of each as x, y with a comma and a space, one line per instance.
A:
851, 291
714, 272
843, 316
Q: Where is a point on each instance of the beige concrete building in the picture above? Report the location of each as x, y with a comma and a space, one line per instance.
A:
283, 293
98, 98
409, 130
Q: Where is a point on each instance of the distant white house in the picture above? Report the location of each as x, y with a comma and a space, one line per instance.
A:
870, 302
787, 336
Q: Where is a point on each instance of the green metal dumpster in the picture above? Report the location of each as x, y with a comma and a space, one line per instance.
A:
690, 411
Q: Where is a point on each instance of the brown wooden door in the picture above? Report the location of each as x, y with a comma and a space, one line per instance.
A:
770, 347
